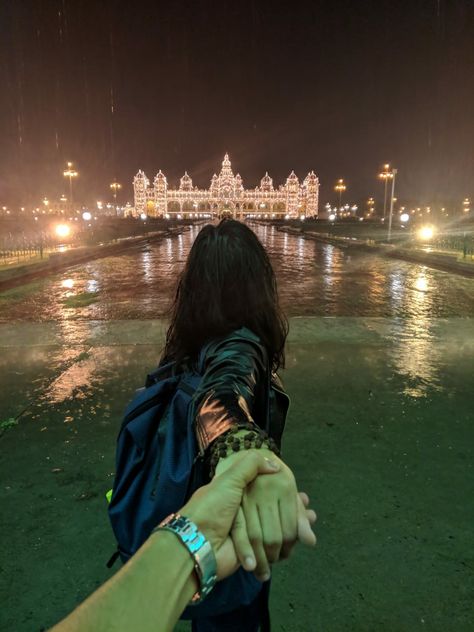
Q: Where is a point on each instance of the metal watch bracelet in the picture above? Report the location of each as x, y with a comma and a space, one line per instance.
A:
199, 548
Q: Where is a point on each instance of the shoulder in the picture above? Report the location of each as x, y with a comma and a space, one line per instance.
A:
240, 341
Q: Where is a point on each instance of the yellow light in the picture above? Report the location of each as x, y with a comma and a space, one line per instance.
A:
62, 230
426, 233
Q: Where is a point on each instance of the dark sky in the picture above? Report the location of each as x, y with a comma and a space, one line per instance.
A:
338, 87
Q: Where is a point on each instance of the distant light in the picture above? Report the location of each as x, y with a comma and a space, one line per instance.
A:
63, 230
332, 217
287, 216
87, 216
404, 217
143, 216
361, 219
179, 216
167, 216
354, 208
302, 218
426, 233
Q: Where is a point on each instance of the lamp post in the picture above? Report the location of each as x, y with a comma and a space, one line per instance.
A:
70, 173
385, 175
115, 186
393, 175
339, 188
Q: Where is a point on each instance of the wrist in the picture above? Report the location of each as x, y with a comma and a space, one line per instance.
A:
198, 548
239, 439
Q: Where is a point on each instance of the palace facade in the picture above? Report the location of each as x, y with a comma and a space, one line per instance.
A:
227, 196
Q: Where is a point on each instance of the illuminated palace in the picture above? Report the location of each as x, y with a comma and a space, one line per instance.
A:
227, 196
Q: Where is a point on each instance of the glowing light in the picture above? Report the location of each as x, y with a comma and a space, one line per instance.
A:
227, 188
86, 216
404, 217
62, 230
332, 217
143, 216
426, 233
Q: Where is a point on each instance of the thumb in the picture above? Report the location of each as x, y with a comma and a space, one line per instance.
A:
246, 469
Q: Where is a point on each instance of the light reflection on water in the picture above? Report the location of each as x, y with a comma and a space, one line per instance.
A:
314, 280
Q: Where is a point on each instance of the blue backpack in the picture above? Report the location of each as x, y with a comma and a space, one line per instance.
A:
158, 467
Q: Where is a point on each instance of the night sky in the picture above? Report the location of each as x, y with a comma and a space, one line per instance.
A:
338, 87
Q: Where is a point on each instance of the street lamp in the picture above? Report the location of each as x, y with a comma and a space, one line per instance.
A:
393, 175
385, 175
115, 186
339, 188
70, 173
466, 205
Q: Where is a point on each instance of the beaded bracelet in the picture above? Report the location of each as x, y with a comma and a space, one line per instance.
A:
228, 443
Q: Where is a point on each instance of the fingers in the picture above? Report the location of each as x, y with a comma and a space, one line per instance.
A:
241, 541
289, 529
305, 533
246, 469
254, 530
271, 531
304, 497
310, 513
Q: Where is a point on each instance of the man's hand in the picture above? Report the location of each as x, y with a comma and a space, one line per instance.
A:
213, 507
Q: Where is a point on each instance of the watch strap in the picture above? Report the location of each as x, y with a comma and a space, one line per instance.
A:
198, 547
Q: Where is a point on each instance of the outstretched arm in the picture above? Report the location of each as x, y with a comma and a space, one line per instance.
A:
153, 588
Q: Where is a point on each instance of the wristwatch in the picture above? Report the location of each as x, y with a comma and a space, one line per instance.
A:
199, 548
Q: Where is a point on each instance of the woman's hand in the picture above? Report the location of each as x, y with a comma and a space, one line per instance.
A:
272, 518
213, 507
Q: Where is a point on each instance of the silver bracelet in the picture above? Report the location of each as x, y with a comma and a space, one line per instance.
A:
199, 548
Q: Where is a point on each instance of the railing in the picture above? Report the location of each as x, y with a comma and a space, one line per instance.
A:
15, 249
460, 243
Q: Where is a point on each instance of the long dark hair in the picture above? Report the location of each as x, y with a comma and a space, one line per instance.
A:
227, 283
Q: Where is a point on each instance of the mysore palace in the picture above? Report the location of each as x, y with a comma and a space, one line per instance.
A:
226, 196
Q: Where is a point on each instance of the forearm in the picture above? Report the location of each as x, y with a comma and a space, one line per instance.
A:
147, 594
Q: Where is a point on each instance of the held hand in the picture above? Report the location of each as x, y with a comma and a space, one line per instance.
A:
213, 507
272, 518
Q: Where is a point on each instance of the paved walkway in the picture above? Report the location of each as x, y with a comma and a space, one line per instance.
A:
380, 434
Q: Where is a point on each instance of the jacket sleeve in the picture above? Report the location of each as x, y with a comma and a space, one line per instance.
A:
232, 379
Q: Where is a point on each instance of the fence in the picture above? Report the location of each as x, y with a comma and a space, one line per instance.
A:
460, 243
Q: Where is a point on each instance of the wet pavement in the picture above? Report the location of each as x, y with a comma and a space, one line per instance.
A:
380, 433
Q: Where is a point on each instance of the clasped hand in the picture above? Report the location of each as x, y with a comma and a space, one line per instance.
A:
272, 517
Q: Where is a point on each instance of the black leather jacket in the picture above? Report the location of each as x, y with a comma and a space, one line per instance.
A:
233, 389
